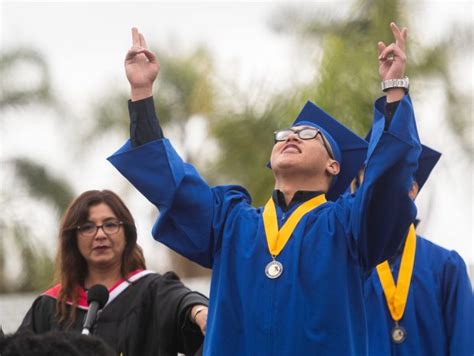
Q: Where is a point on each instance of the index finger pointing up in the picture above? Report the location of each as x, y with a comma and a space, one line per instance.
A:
135, 37
399, 36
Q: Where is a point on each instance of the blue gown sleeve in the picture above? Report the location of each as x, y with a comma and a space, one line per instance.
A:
458, 306
192, 214
381, 211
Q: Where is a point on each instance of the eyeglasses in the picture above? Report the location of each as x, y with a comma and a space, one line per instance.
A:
109, 228
306, 133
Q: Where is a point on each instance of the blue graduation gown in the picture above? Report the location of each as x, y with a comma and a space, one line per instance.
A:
316, 306
438, 315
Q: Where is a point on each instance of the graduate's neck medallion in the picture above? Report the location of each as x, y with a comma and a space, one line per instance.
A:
396, 296
274, 269
277, 239
399, 333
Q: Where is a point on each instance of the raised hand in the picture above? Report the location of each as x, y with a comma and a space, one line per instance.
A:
392, 58
141, 67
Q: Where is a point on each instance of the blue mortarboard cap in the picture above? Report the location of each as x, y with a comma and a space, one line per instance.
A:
349, 149
426, 163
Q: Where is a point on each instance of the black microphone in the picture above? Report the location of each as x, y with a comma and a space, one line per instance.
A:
97, 296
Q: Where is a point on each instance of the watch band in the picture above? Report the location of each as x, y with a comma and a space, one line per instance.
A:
396, 83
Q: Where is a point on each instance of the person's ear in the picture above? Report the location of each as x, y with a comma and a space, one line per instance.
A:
333, 167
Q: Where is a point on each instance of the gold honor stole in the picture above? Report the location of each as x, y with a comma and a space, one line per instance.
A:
277, 239
397, 295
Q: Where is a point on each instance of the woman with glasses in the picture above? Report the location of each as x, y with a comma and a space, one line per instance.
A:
146, 313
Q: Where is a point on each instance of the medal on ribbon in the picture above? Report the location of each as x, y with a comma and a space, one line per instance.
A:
277, 239
397, 295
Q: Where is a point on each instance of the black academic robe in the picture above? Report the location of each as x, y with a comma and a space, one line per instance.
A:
149, 316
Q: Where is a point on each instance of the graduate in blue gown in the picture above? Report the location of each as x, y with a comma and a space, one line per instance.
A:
287, 279
435, 315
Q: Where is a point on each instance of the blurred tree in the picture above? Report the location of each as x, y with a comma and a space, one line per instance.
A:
41, 184
186, 91
245, 140
14, 64
185, 97
348, 71
345, 84
16, 93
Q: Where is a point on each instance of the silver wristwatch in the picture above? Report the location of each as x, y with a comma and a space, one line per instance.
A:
396, 83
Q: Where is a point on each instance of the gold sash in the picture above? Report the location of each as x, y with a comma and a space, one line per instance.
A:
396, 296
277, 239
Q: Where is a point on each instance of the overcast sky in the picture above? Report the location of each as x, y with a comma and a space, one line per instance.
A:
85, 43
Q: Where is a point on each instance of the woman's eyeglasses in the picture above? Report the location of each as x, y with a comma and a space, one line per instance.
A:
109, 228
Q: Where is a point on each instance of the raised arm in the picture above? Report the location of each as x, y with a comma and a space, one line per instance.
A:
192, 214
382, 210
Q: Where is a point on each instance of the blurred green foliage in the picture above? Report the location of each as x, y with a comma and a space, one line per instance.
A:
35, 261
345, 85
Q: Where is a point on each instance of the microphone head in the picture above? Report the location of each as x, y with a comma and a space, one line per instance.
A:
98, 293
